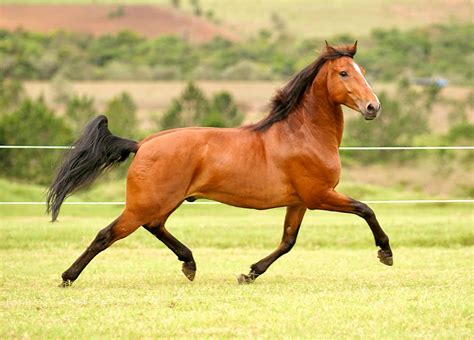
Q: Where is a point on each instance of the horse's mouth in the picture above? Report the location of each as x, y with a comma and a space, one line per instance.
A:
370, 116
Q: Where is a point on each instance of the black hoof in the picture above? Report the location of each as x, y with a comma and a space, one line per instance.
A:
66, 283
189, 270
385, 256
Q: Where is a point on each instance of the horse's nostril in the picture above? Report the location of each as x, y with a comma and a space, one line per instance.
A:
373, 108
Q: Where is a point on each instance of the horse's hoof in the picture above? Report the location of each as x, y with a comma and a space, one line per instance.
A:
245, 279
65, 284
189, 271
385, 257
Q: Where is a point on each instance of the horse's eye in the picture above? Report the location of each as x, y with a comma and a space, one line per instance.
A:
343, 73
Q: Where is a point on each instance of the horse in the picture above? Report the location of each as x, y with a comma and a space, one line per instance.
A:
288, 159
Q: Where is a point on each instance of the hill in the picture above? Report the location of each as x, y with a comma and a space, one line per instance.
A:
310, 18
149, 21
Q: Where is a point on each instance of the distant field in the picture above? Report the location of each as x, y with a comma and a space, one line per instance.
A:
145, 20
330, 286
309, 18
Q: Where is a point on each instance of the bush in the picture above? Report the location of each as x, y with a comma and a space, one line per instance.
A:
462, 134
122, 117
247, 70
192, 108
79, 110
11, 94
187, 110
223, 111
33, 123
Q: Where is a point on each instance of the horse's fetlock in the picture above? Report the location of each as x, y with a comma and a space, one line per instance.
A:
383, 242
186, 256
257, 269
68, 277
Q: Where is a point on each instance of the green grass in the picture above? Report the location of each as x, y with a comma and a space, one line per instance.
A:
309, 18
330, 285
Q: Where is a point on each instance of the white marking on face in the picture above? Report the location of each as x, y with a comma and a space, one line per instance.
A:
357, 68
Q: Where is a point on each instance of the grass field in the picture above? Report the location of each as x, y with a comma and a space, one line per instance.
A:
330, 285
309, 18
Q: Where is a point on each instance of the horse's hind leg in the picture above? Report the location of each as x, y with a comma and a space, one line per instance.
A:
184, 253
123, 226
293, 218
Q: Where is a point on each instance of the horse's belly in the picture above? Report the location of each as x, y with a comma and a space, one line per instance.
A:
257, 188
253, 200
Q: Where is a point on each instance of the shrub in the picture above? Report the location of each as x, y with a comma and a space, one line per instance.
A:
79, 110
121, 112
193, 108
187, 110
33, 123
11, 94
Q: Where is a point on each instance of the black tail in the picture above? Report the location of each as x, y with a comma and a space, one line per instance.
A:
95, 151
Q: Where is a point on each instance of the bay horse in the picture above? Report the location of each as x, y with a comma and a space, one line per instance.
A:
289, 159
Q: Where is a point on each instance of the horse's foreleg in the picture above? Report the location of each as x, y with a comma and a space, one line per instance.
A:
293, 218
184, 253
338, 202
118, 229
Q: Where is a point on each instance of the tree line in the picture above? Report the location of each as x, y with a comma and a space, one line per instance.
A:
437, 50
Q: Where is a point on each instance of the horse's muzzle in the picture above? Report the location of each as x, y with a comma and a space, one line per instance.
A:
371, 110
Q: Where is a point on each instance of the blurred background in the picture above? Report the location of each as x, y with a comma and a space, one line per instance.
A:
153, 65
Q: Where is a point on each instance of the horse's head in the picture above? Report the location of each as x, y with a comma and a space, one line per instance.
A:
346, 82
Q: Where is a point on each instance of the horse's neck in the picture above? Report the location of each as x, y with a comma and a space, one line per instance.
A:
318, 115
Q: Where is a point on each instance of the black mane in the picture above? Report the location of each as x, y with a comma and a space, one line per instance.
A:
287, 99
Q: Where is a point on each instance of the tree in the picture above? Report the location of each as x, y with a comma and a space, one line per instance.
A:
33, 123
79, 110
187, 110
11, 94
121, 114
223, 111
192, 108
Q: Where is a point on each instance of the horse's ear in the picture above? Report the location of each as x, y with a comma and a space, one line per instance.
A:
329, 48
353, 49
